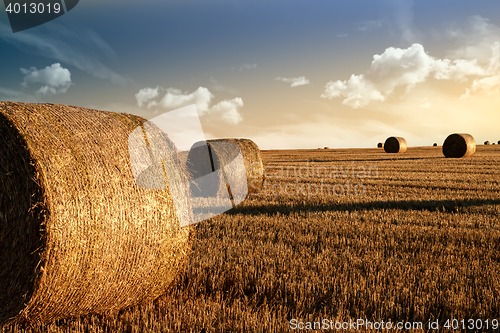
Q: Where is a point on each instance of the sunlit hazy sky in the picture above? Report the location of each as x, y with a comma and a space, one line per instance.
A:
286, 74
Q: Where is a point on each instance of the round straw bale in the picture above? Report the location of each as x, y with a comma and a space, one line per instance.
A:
380, 145
221, 155
435, 144
498, 142
395, 144
486, 143
77, 235
459, 145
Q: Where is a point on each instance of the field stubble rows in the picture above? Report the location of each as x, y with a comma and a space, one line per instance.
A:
422, 243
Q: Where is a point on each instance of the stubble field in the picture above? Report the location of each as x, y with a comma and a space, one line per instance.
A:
339, 235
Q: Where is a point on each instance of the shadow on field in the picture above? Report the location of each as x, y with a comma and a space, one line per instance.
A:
434, 205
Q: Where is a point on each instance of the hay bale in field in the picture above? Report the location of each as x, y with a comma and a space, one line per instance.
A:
220, 153
380, 145
434, 144
77, 234
326, 148
486, 143
459, 145
395, 145
498, 142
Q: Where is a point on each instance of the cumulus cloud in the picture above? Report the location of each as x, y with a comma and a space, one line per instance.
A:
54, 79
175, 98
408, 67
227, 110
146, 96
295, 81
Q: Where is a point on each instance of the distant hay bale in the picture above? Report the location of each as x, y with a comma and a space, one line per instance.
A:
459, 145
486, 143
380, 145
326, 148
493, 143
435, 144
498, 142
219, 153
78, 236
395, 145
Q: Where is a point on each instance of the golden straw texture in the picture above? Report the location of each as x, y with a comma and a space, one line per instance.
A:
77, 234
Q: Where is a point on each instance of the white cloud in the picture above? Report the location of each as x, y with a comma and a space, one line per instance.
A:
488, 85
295, 81
476, 41
146, 96
227, 110
75, 48
480, 41
54, 79
408, 67
175, 98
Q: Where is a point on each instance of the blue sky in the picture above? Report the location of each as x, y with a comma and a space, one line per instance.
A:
287, 74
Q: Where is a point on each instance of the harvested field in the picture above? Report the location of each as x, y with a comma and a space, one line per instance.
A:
412, 238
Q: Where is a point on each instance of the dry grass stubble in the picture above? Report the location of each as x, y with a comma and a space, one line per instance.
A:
422, 243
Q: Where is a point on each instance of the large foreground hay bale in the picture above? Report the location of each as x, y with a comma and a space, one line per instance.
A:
395, 145
77, 234
459, 145
220, 155
380, 145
